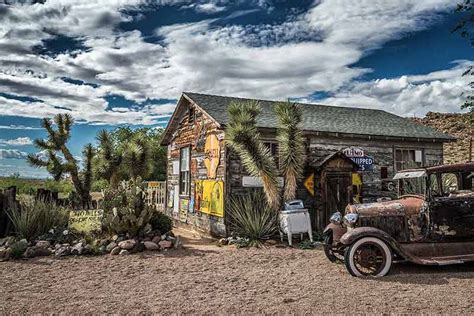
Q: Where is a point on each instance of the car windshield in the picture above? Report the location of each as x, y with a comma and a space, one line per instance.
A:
412, 182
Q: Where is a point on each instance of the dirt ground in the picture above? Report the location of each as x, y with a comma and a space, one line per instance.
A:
206, 279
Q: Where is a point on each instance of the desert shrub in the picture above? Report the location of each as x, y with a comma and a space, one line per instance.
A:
125, 211
161, 222
34, 218
18, 248
251, 217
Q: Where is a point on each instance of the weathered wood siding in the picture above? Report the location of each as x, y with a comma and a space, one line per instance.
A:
194, 135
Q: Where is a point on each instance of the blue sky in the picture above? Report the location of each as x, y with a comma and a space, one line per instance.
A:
113, 62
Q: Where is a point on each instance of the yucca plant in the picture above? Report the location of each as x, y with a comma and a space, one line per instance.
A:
251, 217
291, 146
34, 218
242, 136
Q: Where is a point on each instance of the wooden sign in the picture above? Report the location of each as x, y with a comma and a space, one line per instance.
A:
86, 221
212, 149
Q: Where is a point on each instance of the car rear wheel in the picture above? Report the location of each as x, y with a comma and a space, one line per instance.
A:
368, 256
331, 253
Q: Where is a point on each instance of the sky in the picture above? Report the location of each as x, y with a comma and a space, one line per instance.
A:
116, 63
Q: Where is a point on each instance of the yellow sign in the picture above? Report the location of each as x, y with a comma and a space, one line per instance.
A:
209, 197
309, 184
86, 221
357, 183
212, 149
183, 209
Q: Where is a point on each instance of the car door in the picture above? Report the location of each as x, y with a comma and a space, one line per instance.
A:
452, 210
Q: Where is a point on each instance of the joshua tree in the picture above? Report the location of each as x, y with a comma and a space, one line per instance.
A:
108, 159
291, 146
242, 136
117, 160
55, 145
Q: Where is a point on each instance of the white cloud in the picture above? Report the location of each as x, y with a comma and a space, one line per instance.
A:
20, 141
12, 154
439, 91
310, 52
18, 127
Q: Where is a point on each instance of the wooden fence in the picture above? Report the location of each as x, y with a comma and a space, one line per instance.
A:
7, 201
156, 194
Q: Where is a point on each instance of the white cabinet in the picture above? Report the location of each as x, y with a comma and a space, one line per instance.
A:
295, 221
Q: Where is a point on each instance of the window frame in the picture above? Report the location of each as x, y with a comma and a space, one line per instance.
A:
401, 158
187, 173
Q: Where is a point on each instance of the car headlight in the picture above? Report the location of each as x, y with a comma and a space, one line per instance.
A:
336, 218
350, 219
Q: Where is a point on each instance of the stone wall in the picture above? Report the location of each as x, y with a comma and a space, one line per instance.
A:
194, 134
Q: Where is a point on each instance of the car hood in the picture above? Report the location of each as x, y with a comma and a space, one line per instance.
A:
405, 206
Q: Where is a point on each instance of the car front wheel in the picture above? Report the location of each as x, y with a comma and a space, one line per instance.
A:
368, 256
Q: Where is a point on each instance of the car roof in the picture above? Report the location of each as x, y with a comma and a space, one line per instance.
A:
464, 166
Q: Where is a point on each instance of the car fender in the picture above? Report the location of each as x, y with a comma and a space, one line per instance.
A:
359, 232
337, 231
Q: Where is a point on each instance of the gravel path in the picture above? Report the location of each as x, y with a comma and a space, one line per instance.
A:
213, 280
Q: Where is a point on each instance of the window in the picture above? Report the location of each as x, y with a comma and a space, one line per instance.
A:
434, 185
184, 174
449, 182
274, 150
408, 158
383, 172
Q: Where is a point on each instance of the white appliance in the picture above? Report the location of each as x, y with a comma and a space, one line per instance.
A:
294, 219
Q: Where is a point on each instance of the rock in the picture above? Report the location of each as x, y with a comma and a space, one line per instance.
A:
127, 244
8, 254
156, 239
88, 250
77, 249
223, 241
111, 246
139, 247
178, 244
34, 251
42, 244
165, 244
3, 252
62, 251
3, 241
150, 245
115, 237
102, 250
124, 252
271, 242
10, 240
57, 246
103, 242
115, 251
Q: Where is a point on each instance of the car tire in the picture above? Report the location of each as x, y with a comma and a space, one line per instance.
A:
368, 256
329, 252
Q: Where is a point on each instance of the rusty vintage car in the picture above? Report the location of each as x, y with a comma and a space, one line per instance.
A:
431, 223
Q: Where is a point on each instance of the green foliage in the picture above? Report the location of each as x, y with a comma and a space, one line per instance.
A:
34, 218
18, 249
251, 217
30, 186
161, 222
242, 135
60, 160
127, 154
465, 27
291, 146
125, 211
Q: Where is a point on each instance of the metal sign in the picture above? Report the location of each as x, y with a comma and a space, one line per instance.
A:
309, 184
366, 163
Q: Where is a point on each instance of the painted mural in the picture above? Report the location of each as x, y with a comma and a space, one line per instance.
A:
212, 149
209, 197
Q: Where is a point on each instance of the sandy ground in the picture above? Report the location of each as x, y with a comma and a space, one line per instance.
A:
203, 279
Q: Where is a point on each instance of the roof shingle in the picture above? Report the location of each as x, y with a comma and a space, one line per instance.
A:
324, 118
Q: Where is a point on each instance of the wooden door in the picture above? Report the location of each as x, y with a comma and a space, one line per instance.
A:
337, 188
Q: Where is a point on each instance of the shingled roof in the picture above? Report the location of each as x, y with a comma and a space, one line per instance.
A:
324, 118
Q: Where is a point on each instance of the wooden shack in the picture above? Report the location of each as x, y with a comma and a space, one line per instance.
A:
352, 154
